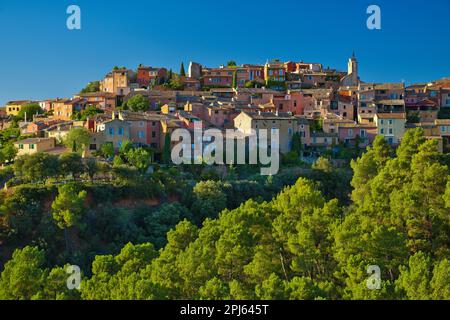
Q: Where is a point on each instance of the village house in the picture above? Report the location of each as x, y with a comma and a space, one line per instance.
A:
350, 133
275, 74
144, 128
343, 106
102, 100
13, 107
445, 98
116, 131
220, 116
254, 73
323, 140
60, 130
117, 81
285, 123
33, 128
391, 126
304, 131
65, 109
255, 95
34, 145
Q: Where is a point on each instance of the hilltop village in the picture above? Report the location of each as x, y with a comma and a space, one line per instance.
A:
325, 108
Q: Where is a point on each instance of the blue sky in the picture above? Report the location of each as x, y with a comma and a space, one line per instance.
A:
40, 58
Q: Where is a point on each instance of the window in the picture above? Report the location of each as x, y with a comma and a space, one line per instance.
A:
111, 131
141, 134
382, 131
362, 133
141, 124
442, 129
448, 128
21, 146
32, 146
350, 132
153, 134
290, 131
120, 133
391, 131
391, 122
154, 124
381, 121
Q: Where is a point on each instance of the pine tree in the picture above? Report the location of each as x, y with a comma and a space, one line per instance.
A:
182, 71
235, 81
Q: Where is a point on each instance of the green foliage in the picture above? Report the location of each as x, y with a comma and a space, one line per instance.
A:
107, 150
253, 84
305, 243
139, 158
7, 153
37, 167
68, 206
70, 163
166, 153
174, 84
235, 80
30, 110
77, 139
91, 87
89, 112
182, 71
210, 199
137, 103
25, 278
9, 134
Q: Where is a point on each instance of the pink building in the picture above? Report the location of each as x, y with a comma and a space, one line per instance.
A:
348, 132
145, 128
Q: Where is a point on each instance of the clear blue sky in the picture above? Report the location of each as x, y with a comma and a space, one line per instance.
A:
40, 58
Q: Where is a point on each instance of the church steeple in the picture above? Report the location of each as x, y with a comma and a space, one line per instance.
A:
353, 69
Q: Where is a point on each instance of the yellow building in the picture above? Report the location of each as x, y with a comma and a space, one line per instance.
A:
13, 107
34, 145
391, 126
168, 109
114, 80
287, 125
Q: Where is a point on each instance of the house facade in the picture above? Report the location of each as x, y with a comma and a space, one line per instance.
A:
391, 126
34, 145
